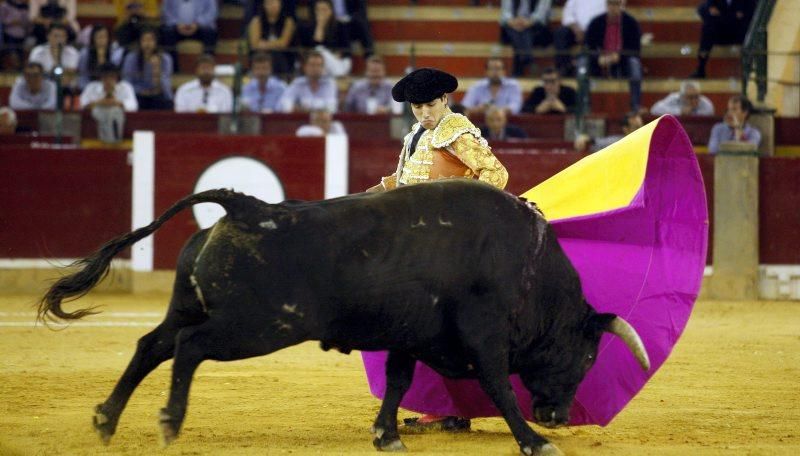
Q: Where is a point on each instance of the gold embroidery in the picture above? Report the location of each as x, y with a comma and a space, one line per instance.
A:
480, 160
450, 128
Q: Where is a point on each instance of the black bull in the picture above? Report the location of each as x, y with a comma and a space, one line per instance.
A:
463, 277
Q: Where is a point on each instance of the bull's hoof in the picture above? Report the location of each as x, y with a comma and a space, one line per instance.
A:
169, 429
102, 425
391, 445
548, 449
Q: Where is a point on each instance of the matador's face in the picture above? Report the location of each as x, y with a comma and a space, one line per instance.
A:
429, 114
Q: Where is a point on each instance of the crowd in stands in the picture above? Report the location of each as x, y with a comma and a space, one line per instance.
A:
295, 60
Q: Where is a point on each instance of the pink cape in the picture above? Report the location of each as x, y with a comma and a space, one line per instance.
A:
642, 260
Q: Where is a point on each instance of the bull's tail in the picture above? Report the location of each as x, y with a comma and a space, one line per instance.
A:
92, 269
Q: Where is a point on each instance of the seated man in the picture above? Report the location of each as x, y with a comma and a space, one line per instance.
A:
631, 122
264, 90
494, 90
687, 102
107, 99
734, 126
311, 91
575, 18
205, 93
551, 97
373, 93
524, 25
8, 121
321, 123
32, 90
497, 127
724, 22
189, 20
613, 41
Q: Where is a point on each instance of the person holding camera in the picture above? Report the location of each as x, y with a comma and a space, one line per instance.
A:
132, 17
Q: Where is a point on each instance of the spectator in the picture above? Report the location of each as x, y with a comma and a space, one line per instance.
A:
107, 100
497, 127
494, 90
321, 124
56, 50
687, 102
312, 91
263, 91
734, 126
15, 23
109, 91
32, 90
8, 121
575, 19
272, 30
613, 40
724, 22
132, 17
631, 122
353, 13
44, 13
149, 70
524, 25
204, 94
189, 20
373, 93
100, 51
329, 37
551, 97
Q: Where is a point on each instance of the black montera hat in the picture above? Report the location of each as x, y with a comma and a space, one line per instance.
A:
424, 85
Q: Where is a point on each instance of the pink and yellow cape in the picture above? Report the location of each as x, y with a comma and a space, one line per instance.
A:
633, 220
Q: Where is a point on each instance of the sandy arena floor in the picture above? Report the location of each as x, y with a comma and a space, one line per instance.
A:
730, 387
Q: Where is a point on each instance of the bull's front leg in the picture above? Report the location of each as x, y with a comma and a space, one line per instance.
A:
399, 373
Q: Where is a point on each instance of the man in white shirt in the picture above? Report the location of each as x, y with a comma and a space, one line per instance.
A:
373, 93
321, 124
494, 90
32, 90
109, 91
312, 91
204, 94
688, 102
107, 100
575, 19
57, 50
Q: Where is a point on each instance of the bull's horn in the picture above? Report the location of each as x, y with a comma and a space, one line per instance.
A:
625, 331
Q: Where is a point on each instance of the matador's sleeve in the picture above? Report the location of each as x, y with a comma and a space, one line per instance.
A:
459, 136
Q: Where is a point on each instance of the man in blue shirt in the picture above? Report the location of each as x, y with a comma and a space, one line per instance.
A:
734, 126
312, 91
494, 90
263, 91
189, 20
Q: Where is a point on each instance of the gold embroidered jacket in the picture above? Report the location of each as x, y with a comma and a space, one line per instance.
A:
454, 148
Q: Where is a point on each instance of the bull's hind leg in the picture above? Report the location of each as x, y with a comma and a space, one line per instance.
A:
219, 339
152, 349
399, 374
158, 345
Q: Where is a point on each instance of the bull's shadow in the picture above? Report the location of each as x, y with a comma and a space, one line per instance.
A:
457, 274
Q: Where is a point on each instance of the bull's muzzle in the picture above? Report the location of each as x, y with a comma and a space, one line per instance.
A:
551, 416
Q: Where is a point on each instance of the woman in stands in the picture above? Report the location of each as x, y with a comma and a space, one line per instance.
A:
272, 31
100, 50
149, 70
329, 37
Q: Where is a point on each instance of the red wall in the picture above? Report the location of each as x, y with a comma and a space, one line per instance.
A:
62, 203
65, 203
